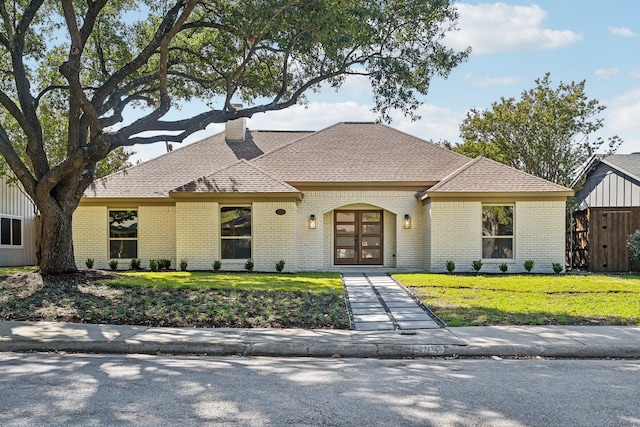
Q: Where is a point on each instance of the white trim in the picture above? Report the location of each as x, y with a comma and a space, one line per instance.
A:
22, 220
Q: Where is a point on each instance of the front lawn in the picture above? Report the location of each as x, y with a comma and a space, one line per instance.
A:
191, 299
468, 300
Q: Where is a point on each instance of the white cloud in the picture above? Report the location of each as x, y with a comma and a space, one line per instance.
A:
622, 32
487, 81
623, 111
499, 27
635, 74
605, 73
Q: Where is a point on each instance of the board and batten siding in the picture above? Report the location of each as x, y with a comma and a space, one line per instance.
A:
15, 204
608, 187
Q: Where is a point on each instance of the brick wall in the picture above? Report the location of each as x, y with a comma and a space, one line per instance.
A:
90, 236
402, 248
456, 234
197, 234
157, 234
273, 236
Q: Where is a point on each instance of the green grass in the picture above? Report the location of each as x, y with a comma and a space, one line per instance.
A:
468, 300
182, 299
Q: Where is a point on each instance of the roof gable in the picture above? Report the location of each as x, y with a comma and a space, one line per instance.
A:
482, 175
240, 177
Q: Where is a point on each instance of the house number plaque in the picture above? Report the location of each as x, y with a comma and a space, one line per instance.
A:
280, 212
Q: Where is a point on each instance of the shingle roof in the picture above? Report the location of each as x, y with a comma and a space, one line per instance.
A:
240, 177
360, 152
158, 176
482, 175
628, 164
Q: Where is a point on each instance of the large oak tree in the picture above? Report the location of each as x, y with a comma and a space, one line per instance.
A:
96, 60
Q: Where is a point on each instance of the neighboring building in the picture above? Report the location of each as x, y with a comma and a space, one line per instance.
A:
17, 226
357, 194
607, 212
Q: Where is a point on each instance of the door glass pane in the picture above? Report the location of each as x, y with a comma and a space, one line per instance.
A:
345, 216
345, 229
345, 241
370, 228
370, 242
370, 216
370, 253
345, 253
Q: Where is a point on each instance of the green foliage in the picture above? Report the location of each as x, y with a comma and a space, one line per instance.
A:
280, 266
248, 265
183, 265
153, 265
528, 265
113, 264
557, 267
477, 265
164, 264
548, 132
504, 267
89, 263
217, 264
633, 242
451, 266
135, 264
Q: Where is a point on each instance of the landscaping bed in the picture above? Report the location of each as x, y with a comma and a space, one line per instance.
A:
176, 299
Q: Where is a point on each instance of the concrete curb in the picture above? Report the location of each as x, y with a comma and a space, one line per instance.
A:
551, 341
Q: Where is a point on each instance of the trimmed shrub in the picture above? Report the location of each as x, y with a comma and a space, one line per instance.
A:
528, 265
504, 267
113, 264
451, 266
183, 265
248, 265
557, 267
89, 263
477, 265
153, 265
217, 264
280, 266
135, 263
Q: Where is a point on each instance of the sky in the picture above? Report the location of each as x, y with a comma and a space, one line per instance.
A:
514, 42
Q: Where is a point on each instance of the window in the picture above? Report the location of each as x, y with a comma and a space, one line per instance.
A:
10, 231
123, 234
235, 233
497, 232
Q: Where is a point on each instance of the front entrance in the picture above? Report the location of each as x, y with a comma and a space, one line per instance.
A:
358, 237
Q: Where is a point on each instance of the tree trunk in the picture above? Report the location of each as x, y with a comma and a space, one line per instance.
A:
56, 239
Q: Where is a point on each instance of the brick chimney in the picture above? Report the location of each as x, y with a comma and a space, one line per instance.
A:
235, 130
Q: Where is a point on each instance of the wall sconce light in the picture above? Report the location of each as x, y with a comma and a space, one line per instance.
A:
407, 221
312, 222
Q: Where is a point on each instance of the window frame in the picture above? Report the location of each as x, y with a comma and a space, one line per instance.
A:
505, 237
249, 238
111, 239
11, 219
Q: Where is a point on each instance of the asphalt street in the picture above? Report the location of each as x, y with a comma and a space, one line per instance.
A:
80, 389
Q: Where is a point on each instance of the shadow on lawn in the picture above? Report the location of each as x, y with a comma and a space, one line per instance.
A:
80, 298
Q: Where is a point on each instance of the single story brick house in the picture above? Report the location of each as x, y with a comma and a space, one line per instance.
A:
356, 194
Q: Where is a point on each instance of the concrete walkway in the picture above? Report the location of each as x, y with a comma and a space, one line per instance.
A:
376, 302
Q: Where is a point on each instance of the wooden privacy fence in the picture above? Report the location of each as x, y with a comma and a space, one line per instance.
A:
598, 239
